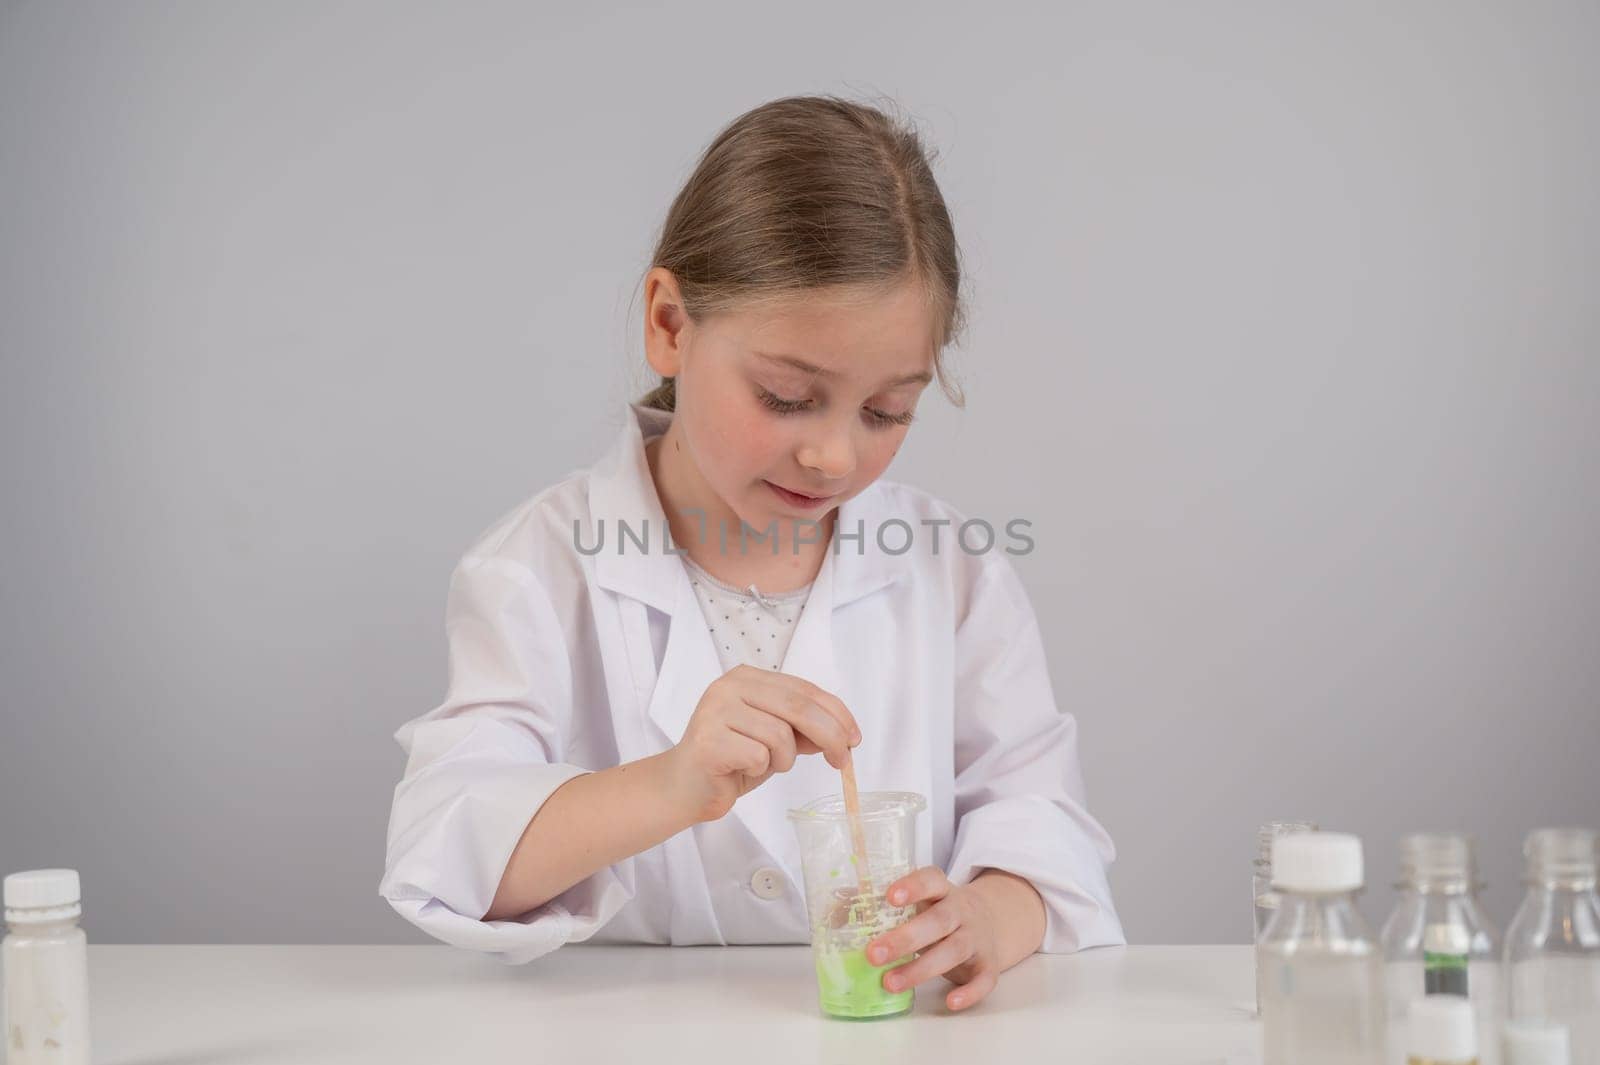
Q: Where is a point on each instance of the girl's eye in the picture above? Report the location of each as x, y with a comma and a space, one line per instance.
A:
781, 405
877, 418
885, 418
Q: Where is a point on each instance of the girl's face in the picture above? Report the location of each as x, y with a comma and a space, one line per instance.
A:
809, 398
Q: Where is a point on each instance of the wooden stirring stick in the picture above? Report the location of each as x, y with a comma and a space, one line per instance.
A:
858, 836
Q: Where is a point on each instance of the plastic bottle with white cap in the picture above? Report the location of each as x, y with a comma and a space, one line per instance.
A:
1441, 1029
1552, 953
1322, 997
46, 966
1531, 1042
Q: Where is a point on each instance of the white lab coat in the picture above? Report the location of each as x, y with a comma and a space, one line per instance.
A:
563, 662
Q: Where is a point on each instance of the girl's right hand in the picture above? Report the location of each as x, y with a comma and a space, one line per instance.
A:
750, 724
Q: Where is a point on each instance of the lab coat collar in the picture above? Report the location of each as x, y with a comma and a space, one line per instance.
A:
621, 489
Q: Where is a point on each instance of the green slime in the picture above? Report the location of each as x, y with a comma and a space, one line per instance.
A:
852, 987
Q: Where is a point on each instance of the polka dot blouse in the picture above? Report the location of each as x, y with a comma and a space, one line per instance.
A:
748, 626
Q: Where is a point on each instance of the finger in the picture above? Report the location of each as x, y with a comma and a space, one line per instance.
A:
771, 732
829, 703
805, 717
927, 884
741, 754
972, 993
925, 929
945, 955
834, 706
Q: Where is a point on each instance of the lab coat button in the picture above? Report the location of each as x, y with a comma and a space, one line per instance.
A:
767, 883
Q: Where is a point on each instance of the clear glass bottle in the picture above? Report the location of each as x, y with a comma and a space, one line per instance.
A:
1261, 879
1438, 939
1322, 998
46, 961
1552, 951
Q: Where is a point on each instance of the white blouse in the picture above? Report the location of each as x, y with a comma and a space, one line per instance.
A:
747, 626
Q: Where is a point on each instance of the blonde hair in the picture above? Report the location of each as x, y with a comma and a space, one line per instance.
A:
807, 193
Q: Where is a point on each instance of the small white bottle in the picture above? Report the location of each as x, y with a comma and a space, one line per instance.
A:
1322, 991
1442, 1029
46, 965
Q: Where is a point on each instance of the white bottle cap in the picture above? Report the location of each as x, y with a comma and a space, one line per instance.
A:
1532, 1042
1443, 1028
42, 895
1317, 862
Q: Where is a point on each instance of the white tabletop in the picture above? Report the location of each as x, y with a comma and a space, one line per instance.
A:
231, 1005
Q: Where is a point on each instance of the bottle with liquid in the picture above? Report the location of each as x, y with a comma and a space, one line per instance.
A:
1441, 1030
1439, 940
1552, 951
45, 957
1261, 879
1322, 998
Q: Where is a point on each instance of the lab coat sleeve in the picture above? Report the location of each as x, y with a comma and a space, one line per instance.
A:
481, 764
1019, 794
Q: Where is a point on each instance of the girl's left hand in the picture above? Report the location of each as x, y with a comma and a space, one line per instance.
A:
954, 928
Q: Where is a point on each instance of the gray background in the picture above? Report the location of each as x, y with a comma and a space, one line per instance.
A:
1284, 336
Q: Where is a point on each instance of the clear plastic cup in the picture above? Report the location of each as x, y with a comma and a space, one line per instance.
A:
846, 904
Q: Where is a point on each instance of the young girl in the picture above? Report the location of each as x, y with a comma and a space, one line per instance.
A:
653, 660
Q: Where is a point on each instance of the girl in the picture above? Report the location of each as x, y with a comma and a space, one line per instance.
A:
637, 696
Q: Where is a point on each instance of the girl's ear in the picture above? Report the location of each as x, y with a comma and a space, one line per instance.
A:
666, 324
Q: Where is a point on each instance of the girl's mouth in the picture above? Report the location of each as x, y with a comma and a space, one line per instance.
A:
796, 499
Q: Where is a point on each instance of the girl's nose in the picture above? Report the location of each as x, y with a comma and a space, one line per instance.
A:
831, 455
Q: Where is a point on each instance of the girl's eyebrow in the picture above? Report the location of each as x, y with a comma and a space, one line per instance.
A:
798, 363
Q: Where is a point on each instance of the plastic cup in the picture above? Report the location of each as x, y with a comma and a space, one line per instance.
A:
846, 905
